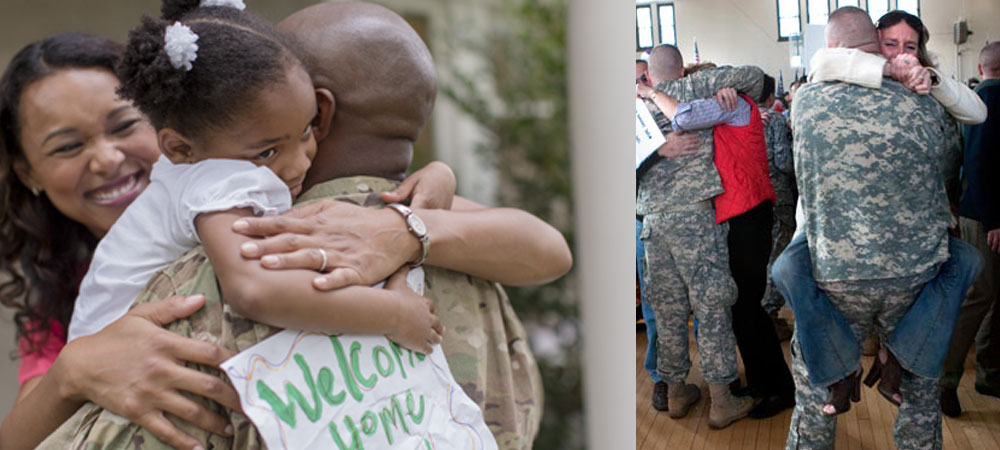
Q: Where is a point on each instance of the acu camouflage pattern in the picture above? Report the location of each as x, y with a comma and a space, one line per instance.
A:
687, 269
869, 168
692, 178
918, 425
781, 170
484, 343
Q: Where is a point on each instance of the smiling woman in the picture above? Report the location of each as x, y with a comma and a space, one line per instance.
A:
87, 150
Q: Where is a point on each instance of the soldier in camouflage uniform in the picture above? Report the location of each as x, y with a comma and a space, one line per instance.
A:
687, 264
484, 342
876, 220
778, 135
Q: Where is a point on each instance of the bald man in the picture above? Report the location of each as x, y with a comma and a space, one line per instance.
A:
876, 223
382, 86
687, 260
979, 220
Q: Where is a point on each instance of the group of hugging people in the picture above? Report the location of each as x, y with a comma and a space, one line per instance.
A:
147, 231
877, 152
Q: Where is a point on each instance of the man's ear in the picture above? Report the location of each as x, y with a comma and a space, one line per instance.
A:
175, 146
980, 65
326, 105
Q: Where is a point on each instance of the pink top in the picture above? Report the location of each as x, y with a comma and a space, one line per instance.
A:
36, 363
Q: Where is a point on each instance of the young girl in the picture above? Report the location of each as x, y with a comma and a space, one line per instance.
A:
233, 108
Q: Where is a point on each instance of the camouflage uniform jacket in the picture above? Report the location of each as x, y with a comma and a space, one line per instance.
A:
692, 178
868, 164
484, 343
779, 159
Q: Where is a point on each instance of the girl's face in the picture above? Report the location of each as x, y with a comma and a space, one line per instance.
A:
275, 132
86, 149
899, 38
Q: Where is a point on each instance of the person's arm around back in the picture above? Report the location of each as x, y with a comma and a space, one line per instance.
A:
133, 368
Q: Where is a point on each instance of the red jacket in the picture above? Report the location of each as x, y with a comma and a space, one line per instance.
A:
741, 158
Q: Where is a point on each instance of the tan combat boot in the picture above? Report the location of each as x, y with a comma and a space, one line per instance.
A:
725, 408
680, 398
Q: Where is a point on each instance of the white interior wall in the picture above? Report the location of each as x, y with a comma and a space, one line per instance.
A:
737, 32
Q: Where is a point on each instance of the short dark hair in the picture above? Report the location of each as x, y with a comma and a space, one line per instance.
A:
42, 252
768, 89
237, 54
894, 17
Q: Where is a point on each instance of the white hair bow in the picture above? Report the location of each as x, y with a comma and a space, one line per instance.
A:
238, 4
179, 43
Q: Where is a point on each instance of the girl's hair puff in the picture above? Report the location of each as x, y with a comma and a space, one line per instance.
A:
238, 53
43, 253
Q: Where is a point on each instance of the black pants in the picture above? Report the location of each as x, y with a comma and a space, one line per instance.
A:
749, 249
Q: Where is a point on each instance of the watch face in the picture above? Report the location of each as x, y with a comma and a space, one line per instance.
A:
416, 225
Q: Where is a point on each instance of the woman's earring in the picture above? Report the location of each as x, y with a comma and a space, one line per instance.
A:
34, 190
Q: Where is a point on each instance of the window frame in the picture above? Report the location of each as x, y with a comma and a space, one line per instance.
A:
798, 16
652, 29
888, 7
673, 23
918, 8
808, 10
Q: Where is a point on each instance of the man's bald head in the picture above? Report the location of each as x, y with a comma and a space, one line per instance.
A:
383, 83
989, 60
850, 27
665, 63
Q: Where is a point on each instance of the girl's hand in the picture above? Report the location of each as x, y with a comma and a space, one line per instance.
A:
135, 368
363, 246
432, 187
417, 327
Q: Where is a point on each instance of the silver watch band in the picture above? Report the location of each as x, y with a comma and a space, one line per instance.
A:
417, 228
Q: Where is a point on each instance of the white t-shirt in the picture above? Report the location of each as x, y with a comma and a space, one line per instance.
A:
158, 227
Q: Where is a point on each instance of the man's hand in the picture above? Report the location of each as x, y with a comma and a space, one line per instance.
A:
727, 98
765, 115
679, 143
993, 240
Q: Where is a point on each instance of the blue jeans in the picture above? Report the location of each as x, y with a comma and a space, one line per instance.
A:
920, 341
647, 311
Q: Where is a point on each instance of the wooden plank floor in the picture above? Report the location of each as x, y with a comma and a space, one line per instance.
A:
868, 425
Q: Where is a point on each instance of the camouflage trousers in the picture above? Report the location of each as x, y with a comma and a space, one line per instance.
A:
918, 425
687, 269
781, 235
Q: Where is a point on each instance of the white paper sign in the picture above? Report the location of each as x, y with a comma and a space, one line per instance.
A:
648, 136
311, 391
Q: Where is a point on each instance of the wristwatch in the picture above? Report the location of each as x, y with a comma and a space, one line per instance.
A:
417, 228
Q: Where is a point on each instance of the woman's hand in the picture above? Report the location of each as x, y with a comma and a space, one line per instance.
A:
363, 246
135, 368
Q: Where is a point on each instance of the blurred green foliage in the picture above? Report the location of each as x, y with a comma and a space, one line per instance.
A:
519, 95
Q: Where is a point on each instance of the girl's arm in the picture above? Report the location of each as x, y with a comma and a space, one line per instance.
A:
287, 299
133, 368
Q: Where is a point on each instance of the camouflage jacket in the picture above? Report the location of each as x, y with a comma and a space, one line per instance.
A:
692, 178
484, 342
781, 167
869, 169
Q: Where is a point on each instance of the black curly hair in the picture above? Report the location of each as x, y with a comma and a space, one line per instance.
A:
237, 54
43, 253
